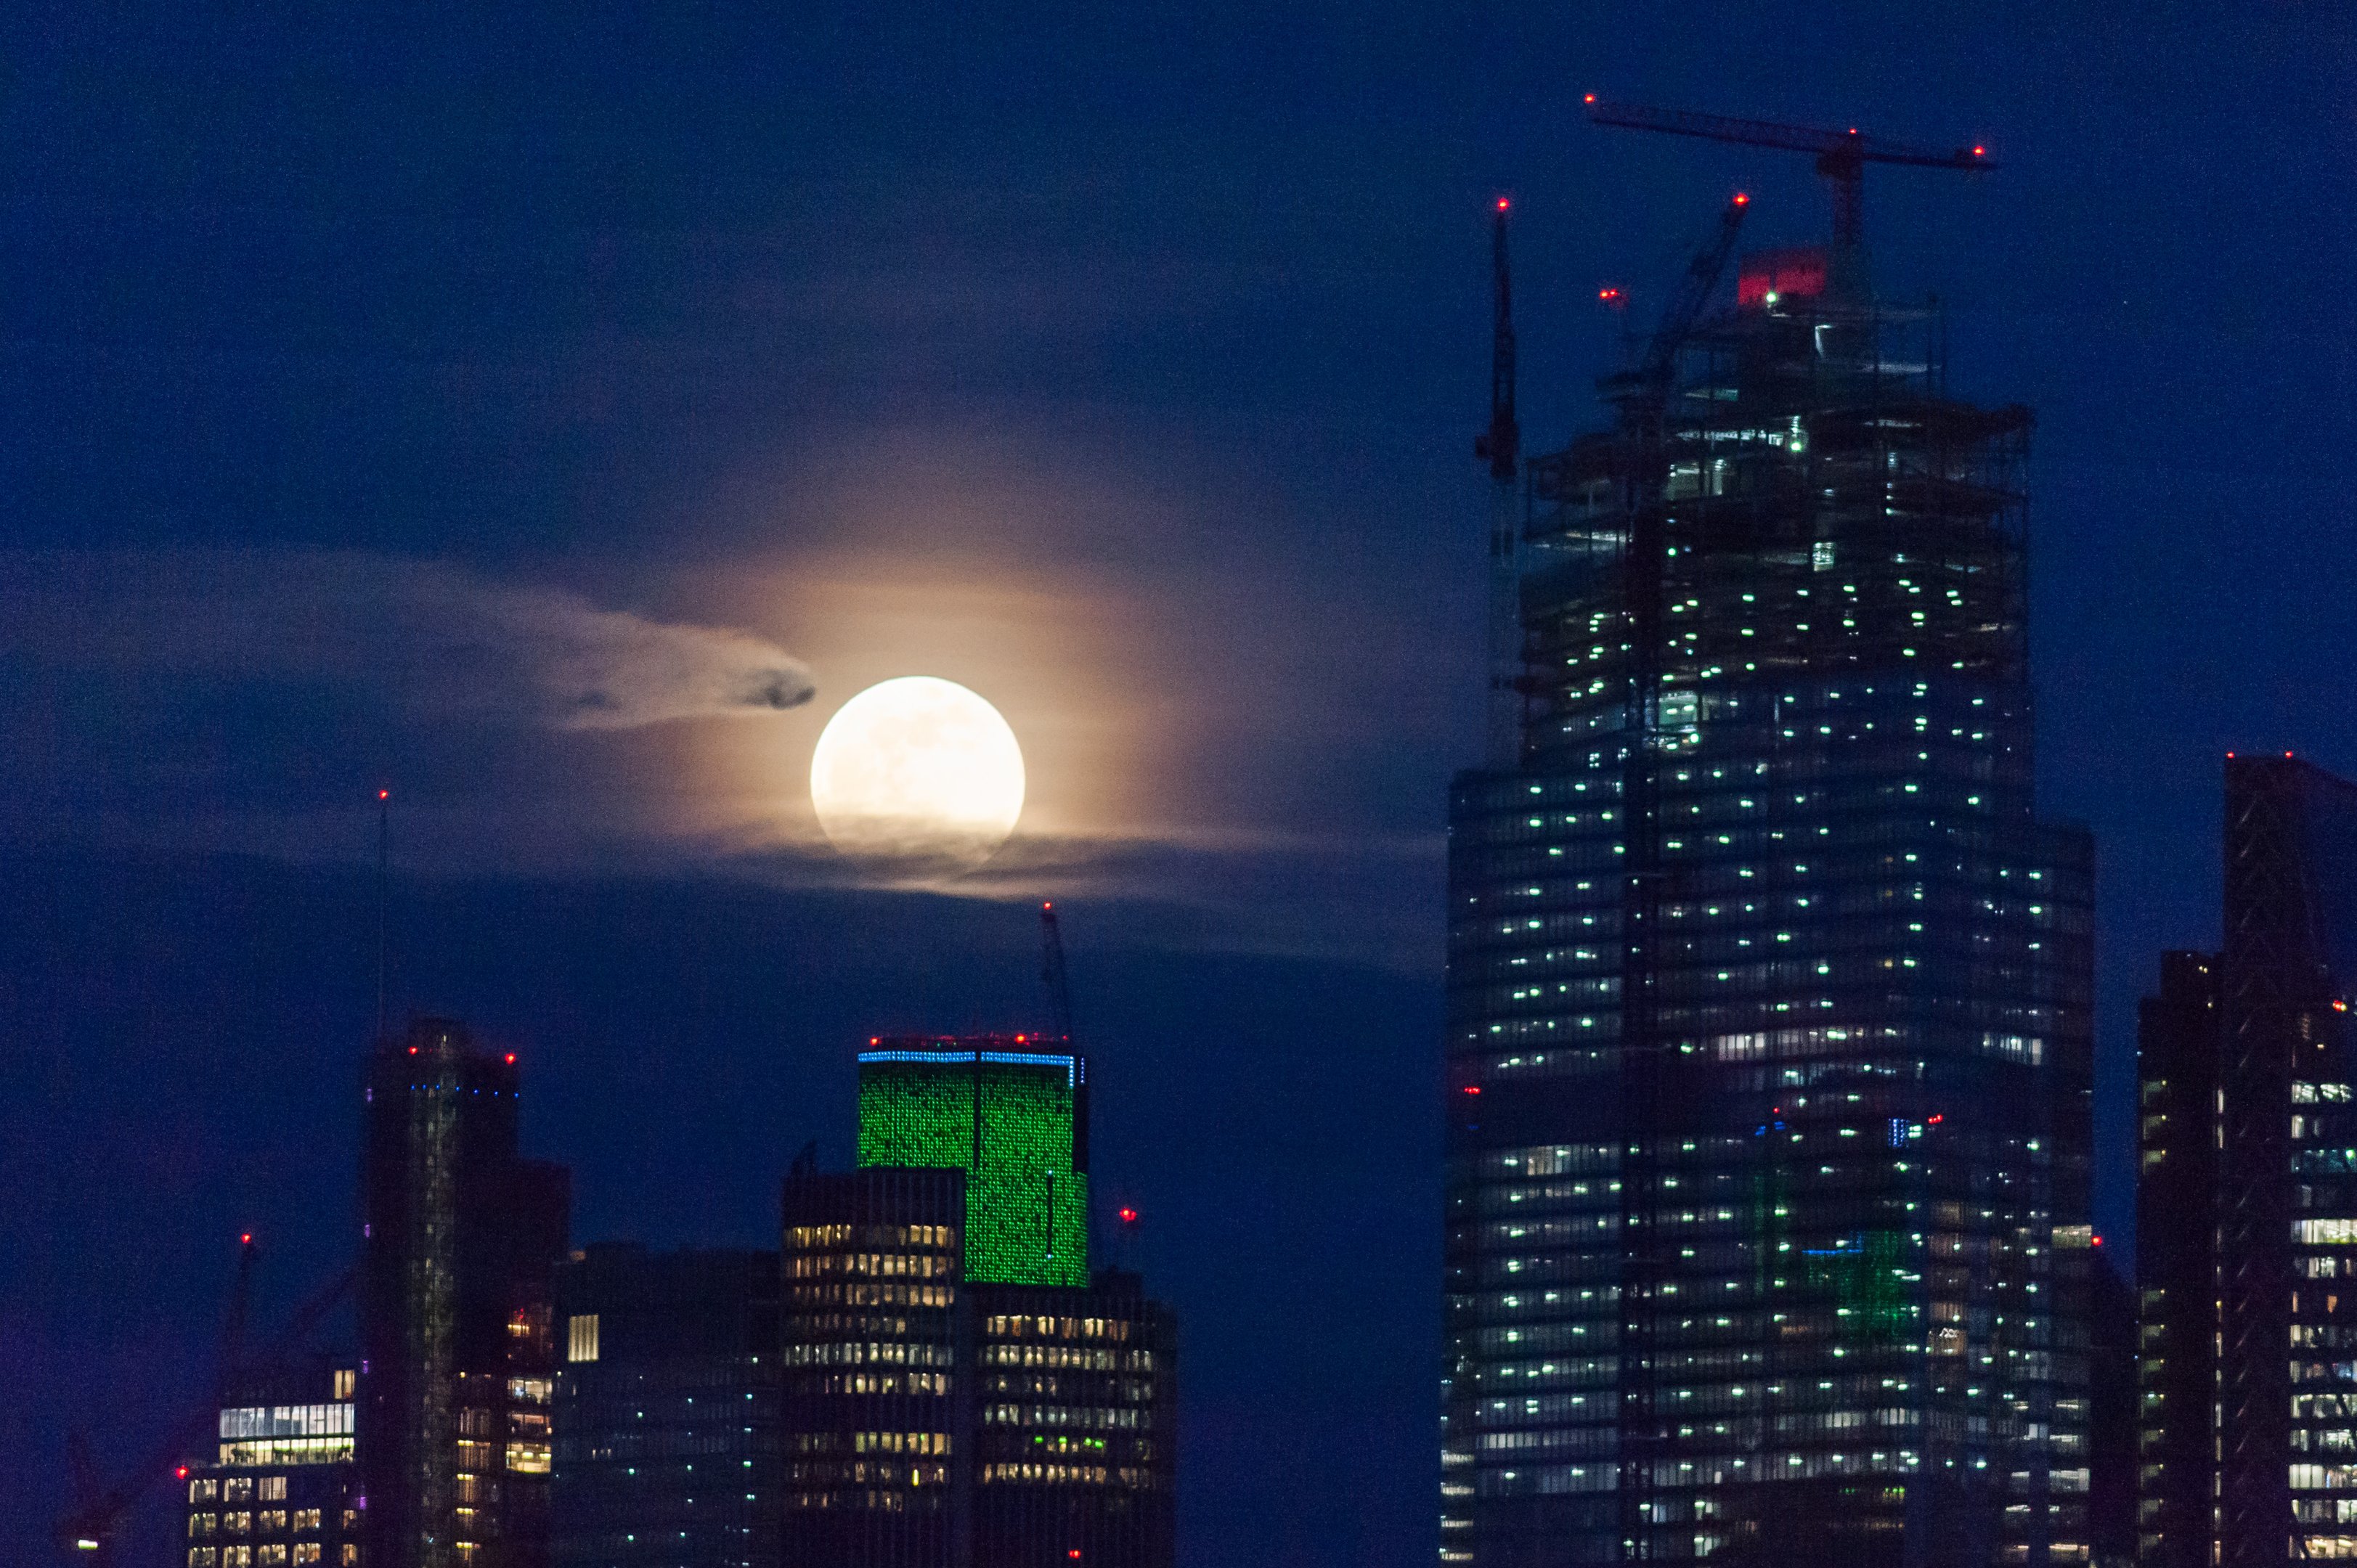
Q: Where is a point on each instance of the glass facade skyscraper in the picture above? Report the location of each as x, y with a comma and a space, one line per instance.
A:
1768, 1042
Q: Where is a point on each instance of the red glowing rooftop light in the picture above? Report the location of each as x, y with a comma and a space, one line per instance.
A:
1589, 98
2098, 1240
510, 1059
1129, 1216
1980, 152
1503, 204
1742, 198
245, 1239
1609, 295
182, 1472
1935, 1120
1472, 1089
384, 794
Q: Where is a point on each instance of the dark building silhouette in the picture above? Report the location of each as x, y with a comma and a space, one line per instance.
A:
935, 1419
281, 1489
667, 1409
457, 1357
1770, 1057
2178, 1053
2248, 1140
2287, 1219
2112, 1388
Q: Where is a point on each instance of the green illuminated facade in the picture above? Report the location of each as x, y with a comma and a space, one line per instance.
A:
1011, 1113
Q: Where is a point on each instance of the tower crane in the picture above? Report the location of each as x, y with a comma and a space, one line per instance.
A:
86, 1535
1842, 155
1500, 447
1647, 387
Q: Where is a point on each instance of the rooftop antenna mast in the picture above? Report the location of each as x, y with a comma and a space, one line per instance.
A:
1051, 972
1501, 447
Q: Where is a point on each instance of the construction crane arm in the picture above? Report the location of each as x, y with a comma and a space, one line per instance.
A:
1686, 308
1790, 138
87, 1534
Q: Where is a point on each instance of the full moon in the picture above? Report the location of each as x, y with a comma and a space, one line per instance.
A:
918, 775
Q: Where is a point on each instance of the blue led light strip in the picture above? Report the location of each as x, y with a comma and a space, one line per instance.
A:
995, 1058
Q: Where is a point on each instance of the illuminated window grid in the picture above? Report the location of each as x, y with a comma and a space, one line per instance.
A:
1009, 1118
1810, 803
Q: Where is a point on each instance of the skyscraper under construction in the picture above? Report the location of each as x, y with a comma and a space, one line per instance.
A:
458, 1359
1768, 1039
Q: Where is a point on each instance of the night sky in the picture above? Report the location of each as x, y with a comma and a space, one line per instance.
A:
366, 380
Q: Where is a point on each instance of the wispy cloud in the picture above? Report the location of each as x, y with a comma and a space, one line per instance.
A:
436, 641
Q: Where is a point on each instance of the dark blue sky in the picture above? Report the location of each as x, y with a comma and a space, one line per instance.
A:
1123, 362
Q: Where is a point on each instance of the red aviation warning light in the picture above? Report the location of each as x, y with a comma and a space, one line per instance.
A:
1128, 1216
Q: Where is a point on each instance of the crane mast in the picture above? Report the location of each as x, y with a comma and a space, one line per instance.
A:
1501, 447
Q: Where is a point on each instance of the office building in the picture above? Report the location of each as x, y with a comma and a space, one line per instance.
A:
2178, 1052
876, 1328
666, 1410
945, 1413
457, 1354
1012, 1112
280, 1489
2113, 1399
2248, 1185
1074, 1427
1768, 1049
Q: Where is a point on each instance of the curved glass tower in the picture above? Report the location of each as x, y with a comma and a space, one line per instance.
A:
1769, 1053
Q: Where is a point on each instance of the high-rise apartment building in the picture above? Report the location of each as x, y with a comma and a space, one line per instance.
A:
666, 1410
1768, 1052
960, 1389
458, 1356
281, 1489
2247, 1134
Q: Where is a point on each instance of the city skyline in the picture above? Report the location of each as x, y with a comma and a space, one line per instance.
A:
379, 389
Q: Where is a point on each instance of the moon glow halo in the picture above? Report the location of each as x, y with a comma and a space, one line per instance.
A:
918, 775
